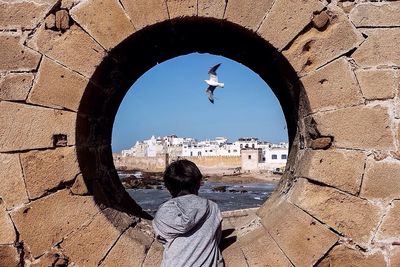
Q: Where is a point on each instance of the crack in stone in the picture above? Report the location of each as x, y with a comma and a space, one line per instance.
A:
283, 252
265, 16
147, 252
166, 5
362, 177
23, 176
384, 214
112, 246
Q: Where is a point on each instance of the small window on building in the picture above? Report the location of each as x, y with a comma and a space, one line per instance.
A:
229, 151
241, 146
253, 146
199, 153
249, 156
274, 156
235, 150
210, 150
246, 146
263, 158
283, 156
191, 153
206, 150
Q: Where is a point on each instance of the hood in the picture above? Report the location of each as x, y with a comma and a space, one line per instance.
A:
180, 215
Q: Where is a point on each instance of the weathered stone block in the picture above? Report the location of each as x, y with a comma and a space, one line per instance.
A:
105, 20
333, 86
15, 56
45, 170
354, 217
233, 256
315, 48
154, 255
90, 244
211, 8
292, 229
22, 14
378, 48
29, 127
47, 221
286, 19
74, 48
16, 86
62, 20
344, 256
357, 127
261, 250
50, 22
130, 250
381, 180
9, 256
247, 13
52, 258
7, 233
384, 14
377, 84
395, 257
320, 20
181, 8
146, 12
57, 86
342, 169
321, 143
79, 187
390, 227
11, 177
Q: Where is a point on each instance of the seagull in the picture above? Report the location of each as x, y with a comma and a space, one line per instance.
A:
213, 83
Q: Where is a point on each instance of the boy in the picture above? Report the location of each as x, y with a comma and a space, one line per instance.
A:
188, 226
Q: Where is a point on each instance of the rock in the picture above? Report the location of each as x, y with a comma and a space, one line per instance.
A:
321, 143
381, 180
314, 48
145, 12
390, 227
50, 22
377, 84
342, 169
247, 13
179, 8
53, 258
154, 255
90, 244
15, 56
79, 187
9, 256
380, 155
62, 20
383, 14
22, 14
346, 126
286, 19
261, 250
30, 127
288, 222
16, 86
377, 48
332, 86
233, 256
7, 233
395, 154
320, 20
104, 20
219, 188
130, 249
211, 8
11, 177
47, 169
47, 221
354, 217
343, 256
70, 86
74, 48
395, 256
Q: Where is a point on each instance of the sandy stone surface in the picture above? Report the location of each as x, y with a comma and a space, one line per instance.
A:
247, 13
390, 227
69, 86
383, 14
15, 86
211, 8
342, 169
11, 177
9, 256
332, 86
181, 8
286, 19
347, 214
145, 12
378, 84
7, 233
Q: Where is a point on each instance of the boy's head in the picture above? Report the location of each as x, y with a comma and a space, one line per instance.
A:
182, 177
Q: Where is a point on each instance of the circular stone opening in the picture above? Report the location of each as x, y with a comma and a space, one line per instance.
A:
155, 44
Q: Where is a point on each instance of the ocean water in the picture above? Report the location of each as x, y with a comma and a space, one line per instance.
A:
255, 195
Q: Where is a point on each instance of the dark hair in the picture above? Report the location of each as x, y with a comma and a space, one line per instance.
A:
182, 177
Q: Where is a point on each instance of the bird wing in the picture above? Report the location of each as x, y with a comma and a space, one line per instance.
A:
213, 69
210, 93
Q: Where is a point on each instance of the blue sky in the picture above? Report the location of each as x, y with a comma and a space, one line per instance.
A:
170, 98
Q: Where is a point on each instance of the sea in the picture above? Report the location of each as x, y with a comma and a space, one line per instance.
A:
236, 196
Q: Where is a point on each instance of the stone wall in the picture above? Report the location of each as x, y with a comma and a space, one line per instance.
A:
66, 65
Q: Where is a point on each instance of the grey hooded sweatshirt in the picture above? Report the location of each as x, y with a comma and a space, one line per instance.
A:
190, 229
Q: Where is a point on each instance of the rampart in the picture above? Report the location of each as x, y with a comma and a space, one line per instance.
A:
66, 65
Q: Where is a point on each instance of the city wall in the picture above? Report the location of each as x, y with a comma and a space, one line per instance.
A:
66, 65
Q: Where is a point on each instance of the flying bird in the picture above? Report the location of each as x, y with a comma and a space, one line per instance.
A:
213, 82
